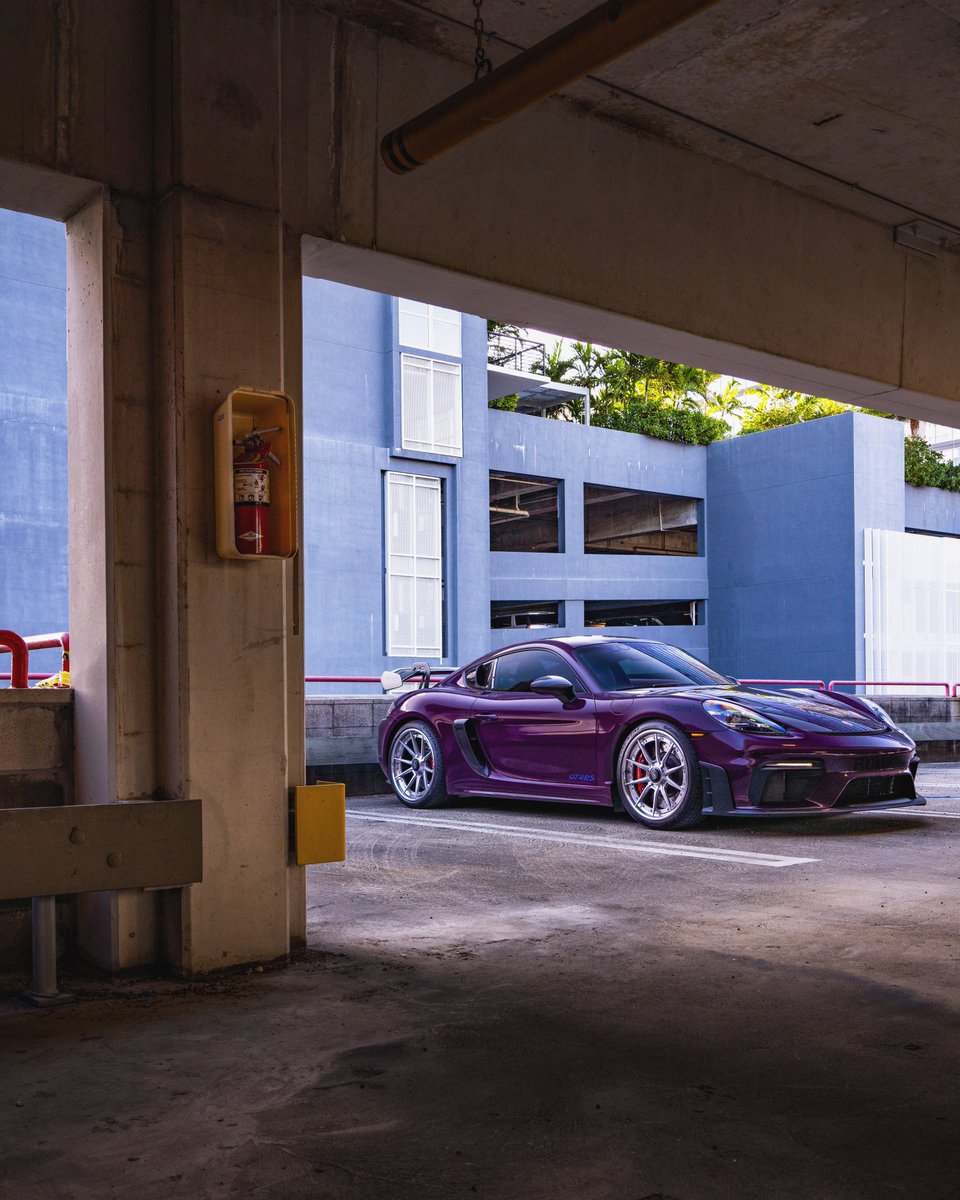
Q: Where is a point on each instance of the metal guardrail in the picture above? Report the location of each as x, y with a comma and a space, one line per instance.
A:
20, 648
20, 675
938, 683
814, 683
16, 646
518, 353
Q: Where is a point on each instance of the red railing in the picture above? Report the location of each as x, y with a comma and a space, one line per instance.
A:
341, 679
839, 683
20, 654
814, 683
20, 677
20, 647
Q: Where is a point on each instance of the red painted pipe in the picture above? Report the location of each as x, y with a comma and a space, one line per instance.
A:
20, 656
937, 683
815, 683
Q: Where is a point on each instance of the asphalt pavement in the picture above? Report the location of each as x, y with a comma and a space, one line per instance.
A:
537, 1002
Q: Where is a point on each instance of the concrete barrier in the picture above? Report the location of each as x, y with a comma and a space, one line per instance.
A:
36, 771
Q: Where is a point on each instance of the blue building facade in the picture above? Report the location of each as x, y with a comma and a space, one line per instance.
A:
356, 373
33, 430
436, 527
787, 513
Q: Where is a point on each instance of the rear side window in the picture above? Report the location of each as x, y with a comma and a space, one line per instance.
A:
479, 676
516, 671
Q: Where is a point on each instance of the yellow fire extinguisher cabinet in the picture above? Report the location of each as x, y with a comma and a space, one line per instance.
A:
245, 411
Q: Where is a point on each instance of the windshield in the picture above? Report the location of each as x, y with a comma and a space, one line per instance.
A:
622, 666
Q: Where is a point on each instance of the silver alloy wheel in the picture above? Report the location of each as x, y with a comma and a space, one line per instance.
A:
412, 764
653, 773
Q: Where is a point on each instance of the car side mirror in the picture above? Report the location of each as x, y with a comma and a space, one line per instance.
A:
391, 680
554, 685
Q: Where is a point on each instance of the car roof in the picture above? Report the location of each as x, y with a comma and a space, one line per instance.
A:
580, 640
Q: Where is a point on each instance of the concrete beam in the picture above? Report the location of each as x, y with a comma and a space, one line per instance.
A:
667, 251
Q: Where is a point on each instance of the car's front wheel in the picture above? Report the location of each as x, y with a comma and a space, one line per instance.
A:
416, 767
658, 777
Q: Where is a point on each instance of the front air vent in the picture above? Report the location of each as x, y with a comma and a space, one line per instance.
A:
871, 789
889, 761
786, 784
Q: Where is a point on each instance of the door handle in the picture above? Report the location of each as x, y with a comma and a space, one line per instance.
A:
485, 717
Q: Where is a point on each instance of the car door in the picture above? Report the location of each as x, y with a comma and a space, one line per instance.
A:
533, 742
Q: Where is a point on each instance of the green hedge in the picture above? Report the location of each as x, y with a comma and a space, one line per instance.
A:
925, 467
666, 422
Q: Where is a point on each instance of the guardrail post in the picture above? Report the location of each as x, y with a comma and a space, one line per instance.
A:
20, 656
44, 991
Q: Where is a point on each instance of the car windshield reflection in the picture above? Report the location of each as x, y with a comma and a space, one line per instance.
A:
625, 666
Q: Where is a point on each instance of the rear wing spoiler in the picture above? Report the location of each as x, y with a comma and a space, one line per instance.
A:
390, 681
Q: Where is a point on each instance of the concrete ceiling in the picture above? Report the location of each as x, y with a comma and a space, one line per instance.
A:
857, 102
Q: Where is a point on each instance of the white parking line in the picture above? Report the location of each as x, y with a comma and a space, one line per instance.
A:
674, 850
908, 812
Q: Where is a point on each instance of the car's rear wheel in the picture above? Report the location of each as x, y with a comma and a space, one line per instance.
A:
658, 777
416, 767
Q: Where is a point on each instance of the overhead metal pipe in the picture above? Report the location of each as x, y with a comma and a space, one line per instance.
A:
599, 37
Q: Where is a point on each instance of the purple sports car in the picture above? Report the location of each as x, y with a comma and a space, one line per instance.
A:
642, 725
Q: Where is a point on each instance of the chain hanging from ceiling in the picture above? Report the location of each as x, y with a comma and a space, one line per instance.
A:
483, 65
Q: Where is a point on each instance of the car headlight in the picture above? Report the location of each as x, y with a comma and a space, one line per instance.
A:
735, 716
880, 713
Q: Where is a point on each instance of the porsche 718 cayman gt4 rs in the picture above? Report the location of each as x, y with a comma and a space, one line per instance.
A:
642, 724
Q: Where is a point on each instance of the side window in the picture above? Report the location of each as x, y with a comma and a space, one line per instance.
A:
517, 670
479, 676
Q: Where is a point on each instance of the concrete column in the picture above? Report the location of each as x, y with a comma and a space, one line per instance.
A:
188, 669
231, 711
228, 304
111, 470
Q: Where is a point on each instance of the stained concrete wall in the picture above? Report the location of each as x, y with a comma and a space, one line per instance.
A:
785, 528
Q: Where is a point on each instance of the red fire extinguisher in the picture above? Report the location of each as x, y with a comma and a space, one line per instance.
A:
251, 492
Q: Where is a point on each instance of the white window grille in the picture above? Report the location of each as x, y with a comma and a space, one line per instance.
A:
414, 565
428, 327
911, 607
431, 405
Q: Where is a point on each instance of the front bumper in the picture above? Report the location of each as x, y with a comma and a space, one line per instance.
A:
784, 781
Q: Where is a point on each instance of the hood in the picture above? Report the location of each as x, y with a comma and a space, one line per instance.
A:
810, 712
801, 712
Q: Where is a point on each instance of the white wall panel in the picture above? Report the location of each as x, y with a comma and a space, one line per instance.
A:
911, 608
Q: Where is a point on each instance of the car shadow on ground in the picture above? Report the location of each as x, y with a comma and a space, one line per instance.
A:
866, 823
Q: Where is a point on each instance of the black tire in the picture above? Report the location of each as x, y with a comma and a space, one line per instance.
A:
415, 766
658, 777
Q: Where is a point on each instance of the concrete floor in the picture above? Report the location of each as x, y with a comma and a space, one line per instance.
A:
527, 1002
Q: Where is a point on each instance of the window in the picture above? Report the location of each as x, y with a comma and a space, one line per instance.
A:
414, 574
430, 403
641, 612
620, 666
524, 513
515, 672
524, 614
480, 676
622, 521
427, 327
